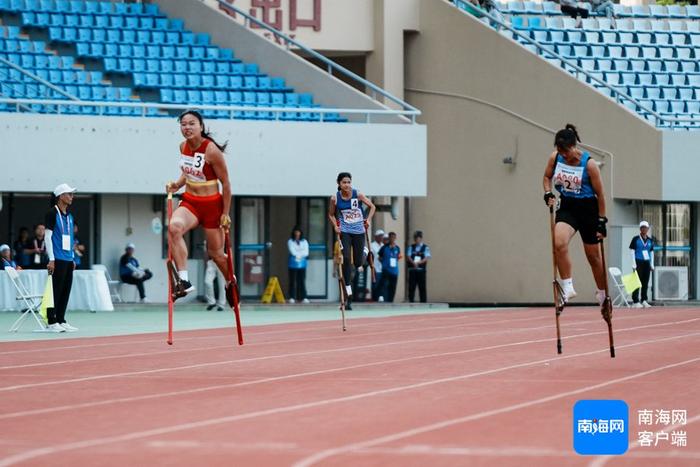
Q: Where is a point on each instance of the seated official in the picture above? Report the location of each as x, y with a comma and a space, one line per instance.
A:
130, 271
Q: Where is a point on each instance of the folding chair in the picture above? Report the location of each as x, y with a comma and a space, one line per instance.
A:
30, 302
113, 285
622, 298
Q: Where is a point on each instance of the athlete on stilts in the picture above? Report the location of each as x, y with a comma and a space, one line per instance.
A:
203, 167
346, 215
576, 177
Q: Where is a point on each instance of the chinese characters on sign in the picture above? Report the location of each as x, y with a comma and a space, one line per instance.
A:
273, 12
672, 419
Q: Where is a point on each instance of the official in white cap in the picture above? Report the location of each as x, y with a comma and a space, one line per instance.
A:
376, 245
59, 247
6, 258
642, 251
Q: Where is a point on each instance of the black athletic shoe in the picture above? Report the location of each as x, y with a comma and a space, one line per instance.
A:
348, 306
182, 288
211, 307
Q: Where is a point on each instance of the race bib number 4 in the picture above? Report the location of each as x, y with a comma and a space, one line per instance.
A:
568, 179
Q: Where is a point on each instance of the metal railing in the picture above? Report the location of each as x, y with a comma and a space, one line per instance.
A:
39, 80
618, 96
63, 107
407, 109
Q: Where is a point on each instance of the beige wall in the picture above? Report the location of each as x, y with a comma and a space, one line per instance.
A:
346, 25
484, 220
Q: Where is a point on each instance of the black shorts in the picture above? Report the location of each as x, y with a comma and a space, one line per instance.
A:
582, 215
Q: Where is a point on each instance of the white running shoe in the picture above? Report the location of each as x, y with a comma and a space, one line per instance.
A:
145, 300
600, 296
306, 300
381, 299
291, 300
68, 327
55, 327
637, 305
567, 292
646, 304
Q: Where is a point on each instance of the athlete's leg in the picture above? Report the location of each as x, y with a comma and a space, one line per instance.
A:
181, 222
596, 262
563, 233
215, 249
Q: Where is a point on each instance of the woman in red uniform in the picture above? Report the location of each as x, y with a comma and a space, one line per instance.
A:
203, 167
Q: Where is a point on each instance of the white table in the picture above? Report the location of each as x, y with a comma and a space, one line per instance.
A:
90, 290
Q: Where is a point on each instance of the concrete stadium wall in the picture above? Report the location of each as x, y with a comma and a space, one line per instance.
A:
139, 155
485, 220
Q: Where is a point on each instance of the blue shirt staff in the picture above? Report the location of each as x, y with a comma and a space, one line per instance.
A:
59, 247
642, 251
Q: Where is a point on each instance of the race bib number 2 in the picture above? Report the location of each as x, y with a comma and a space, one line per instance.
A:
568, 179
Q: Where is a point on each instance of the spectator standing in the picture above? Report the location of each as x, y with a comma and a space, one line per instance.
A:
6, 260
376, 245
298, 248
21, 247
417, 257
130, 271
38, 257
642, 250
59, 249
390, 255
212, 276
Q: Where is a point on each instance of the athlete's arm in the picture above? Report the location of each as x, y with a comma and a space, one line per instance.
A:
173, 187
597, 184
370, 205
331, 215
215, 158
549, 197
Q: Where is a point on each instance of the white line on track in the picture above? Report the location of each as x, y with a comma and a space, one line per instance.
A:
228, 335
299, 354
324, 326
325, 454
602, 460
259, 344
50, 450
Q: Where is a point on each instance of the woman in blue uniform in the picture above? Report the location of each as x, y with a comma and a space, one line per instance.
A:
576, 177
347, 217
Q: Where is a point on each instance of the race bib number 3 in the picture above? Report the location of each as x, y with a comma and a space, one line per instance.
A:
568, 179
193, 167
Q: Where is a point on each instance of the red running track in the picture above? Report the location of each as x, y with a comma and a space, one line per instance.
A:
473, 388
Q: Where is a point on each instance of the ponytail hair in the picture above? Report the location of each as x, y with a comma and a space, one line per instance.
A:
567, 138
205, 135
341, 176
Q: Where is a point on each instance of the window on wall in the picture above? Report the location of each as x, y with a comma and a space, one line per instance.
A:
671, 227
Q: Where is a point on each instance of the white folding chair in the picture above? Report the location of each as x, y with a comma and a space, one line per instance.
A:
113, 285
31, 303
622, 298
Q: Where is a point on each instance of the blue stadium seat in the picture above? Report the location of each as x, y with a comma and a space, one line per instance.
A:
693, 11
172, 37
551, 8
208, 81
685, 94
208, 67
694, 81
166, 80
180, 66
222, 81
250, 82
180, 95
166, 96
180, 80
613, 78
688, 66
236, 82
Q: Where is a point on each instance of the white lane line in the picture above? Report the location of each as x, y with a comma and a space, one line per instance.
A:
259, 344
325, 454
602, 460
322, 327
49, 450
315, 352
